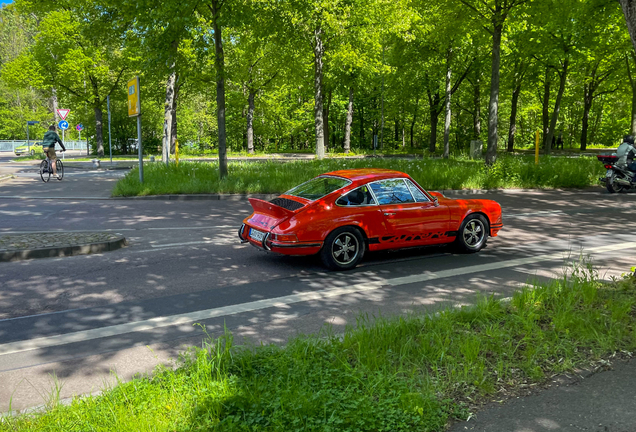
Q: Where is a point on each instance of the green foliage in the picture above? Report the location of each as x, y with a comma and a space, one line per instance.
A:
403, 374
432, 174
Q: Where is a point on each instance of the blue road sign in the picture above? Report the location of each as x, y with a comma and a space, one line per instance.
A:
32, 122
63, 124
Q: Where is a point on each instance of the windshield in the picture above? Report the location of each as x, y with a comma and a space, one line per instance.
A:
319, 187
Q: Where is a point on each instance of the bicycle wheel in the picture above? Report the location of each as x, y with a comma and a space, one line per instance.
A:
45, 173
60, 169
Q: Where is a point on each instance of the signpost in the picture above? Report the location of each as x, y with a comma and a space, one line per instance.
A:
30, 123
80, 128
536, 149
134, 110
110, 146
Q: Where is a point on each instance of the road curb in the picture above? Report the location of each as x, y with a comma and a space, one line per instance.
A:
244, 197
201, 197
5, 177
63, 251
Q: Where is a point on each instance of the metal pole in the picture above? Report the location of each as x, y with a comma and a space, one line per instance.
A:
28, 142
110, 147
141, 157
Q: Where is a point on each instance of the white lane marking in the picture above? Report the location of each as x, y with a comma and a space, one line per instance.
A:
153, 323
537, 213
125, 229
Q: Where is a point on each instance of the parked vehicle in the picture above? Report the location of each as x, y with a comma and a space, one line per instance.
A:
342, 214
617, 178
31, 150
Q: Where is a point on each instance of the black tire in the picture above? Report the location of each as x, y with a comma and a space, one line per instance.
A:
32, 152
343, 249
45, 172
59, 166
473, 234
613, 187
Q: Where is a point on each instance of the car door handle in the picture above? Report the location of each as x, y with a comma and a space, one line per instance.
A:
389, 214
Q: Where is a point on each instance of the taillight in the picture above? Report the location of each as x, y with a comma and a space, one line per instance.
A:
608, 167
289, 238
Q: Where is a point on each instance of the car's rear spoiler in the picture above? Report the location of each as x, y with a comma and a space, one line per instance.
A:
268, 209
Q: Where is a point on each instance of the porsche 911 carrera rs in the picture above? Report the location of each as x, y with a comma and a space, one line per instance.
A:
342, 214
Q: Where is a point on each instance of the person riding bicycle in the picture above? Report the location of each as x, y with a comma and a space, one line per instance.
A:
50, 138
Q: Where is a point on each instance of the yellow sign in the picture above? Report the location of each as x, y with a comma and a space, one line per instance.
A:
134, 102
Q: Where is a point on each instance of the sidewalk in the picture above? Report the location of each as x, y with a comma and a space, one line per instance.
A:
16, 247
600, 402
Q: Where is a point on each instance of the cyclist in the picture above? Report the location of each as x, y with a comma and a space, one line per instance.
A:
50, 138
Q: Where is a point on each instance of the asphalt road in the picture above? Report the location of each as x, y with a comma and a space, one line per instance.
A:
81, 318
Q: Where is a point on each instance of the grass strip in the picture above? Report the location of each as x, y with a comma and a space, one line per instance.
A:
433, 174
412, 373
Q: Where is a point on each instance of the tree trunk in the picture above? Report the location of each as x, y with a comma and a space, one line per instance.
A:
434, 121
325, 118
447, 110
54, 105
250, 121
477, 109
318, 120
632, 82
173, 131
629, 11
587, 106
417, 101
167, 113
219, 68
557, 105
513, 117
99, 136
493, 105
546, 106
347, 137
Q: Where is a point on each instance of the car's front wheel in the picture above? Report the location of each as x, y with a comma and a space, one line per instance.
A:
343, 249
473, 233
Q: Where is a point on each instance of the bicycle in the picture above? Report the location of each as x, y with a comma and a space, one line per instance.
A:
46, 171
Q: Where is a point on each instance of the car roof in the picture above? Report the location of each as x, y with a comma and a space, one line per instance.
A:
367, 174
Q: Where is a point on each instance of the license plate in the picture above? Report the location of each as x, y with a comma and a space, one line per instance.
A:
608, 174
256, 234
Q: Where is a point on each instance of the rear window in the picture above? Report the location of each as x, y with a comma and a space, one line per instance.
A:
319, 187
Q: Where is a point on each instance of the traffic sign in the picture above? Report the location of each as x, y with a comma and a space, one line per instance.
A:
32, 122
63, 113
79, 127
63, 124
134, 102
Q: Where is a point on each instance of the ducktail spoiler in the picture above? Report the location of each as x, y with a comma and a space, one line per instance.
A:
268, 209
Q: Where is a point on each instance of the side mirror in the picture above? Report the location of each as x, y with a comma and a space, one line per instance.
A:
435, 201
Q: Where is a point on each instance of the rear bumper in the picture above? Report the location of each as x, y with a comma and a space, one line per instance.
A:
299, 248
494, 229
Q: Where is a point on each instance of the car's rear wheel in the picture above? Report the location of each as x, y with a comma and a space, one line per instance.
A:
343, 249
32, 152
473, 233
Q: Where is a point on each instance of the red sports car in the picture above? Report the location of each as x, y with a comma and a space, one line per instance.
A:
342, 214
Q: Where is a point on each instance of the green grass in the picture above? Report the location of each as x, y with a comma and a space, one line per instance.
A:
433, 174
411, 373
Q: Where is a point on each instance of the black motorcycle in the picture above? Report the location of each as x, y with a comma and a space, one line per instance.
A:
617, 178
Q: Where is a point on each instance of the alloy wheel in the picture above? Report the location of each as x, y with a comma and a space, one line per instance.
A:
474, 233
345, 248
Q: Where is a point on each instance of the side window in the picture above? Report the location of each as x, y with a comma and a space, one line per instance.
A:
357, 197
417, 193
392, 192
